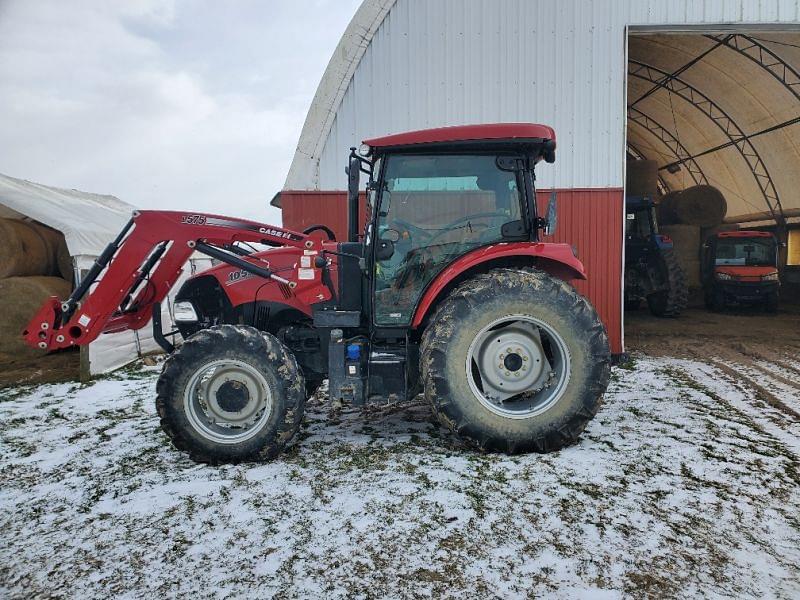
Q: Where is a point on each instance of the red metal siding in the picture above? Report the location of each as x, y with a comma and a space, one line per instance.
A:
302, 209
589, 219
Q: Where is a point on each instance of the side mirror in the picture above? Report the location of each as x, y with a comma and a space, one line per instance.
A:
353, 176
551, 220
353, 181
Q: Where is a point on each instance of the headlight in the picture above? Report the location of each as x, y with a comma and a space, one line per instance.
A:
364, 150
184, 312
724, 276
770, 277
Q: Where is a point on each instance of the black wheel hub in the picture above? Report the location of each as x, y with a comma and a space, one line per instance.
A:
232, 396
513, 362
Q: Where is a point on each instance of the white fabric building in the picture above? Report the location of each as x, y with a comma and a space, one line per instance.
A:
89, 222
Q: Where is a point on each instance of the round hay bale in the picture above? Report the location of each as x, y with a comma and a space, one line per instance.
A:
702, 205
20, 298
641, 178
28, 248
666, 208
64, 260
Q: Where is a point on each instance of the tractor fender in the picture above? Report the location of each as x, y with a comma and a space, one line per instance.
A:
556, 259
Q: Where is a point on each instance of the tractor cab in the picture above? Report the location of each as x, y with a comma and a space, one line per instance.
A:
641, 226
741, 268
437, 195
435, 198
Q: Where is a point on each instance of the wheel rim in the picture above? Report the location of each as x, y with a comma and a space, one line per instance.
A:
518, 366
227, 401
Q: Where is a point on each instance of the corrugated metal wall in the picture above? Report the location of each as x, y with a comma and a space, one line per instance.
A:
303, 209
451, 62
591, 220
471, 61
588, 219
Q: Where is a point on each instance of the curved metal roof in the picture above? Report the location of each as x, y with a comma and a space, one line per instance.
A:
720, 107
725, 109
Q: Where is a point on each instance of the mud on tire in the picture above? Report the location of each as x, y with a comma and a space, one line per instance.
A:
457, 324
262, 372
671, 301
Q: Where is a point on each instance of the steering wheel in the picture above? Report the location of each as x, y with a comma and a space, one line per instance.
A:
450, 226
328, 231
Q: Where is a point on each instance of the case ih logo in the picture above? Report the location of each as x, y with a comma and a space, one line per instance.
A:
276, 233
193, 220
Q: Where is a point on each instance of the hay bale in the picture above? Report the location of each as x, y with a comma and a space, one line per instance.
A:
641, 178
666, 208
28, 248
20, 298
691, 269
64, 260
702, 205
686, 241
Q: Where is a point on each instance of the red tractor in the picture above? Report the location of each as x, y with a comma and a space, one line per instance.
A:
449, 292
741, 268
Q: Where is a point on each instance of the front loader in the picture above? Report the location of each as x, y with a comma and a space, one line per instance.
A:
449, 291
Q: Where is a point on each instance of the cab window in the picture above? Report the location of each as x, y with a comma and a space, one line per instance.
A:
436, 207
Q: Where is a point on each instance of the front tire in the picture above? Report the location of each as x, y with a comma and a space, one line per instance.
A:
229, 394
478, 343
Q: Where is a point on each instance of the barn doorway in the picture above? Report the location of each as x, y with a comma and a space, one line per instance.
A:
712, 240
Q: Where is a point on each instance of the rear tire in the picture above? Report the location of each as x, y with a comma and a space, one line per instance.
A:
671, 301
572, 339
229, 394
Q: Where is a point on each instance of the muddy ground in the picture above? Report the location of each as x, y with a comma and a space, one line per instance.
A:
757, 349
49, 368
770, 334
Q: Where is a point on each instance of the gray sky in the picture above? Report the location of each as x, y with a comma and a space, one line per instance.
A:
174, 104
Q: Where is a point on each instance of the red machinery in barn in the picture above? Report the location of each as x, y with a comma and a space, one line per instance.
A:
741, 268
449, 291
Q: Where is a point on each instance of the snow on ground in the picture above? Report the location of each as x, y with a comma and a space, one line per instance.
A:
686, 483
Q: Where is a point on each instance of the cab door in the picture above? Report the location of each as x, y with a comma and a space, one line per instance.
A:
434, 208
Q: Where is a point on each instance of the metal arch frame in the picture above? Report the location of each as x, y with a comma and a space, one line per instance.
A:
721, 119
765, 58
677, 149
636, 154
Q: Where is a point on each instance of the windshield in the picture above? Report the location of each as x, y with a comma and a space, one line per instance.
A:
745, 251
437, 207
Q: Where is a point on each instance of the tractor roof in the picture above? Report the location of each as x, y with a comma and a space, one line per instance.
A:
464, 133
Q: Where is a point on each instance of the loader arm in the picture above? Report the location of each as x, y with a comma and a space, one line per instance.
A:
136, 271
